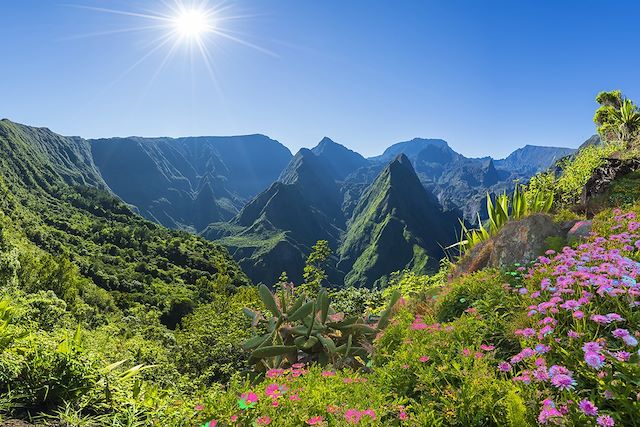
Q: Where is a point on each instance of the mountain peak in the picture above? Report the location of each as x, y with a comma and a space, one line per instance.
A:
410, 148
340, 160
402, 159
326, 141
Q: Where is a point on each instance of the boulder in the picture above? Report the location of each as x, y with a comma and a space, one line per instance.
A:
579, 231
518, 241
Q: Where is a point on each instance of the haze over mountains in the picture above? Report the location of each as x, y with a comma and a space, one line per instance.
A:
379, 215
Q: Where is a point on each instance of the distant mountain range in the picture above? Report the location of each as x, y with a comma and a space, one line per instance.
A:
379, 215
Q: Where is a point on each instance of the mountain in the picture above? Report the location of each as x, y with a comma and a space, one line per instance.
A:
276, 230
340, 160
396, 225
53, 199
188, 183
269, 207
461, 183
531, 159
409, 148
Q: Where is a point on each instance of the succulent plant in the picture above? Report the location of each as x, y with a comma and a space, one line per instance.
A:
304, 330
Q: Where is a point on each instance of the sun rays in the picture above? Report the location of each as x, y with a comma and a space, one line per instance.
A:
196, 28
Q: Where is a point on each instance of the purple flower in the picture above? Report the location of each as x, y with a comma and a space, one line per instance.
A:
614, 317
622, 356
542, 348
605, 421
588, 408
563, 382
592, 347
594, 360
557, 369
620, 333
599, 318
630, 340
504, 366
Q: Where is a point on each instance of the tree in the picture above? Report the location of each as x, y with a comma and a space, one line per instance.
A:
314, 273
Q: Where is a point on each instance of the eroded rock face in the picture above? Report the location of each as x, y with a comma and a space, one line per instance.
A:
518, 241
603, 176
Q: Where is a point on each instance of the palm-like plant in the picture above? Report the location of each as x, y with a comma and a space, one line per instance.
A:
627, 120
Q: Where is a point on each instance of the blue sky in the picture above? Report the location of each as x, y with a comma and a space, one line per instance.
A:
487, 76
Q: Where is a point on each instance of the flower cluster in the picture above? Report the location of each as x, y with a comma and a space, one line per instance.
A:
582, 309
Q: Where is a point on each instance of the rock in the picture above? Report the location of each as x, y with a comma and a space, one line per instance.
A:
579, 231
518, 241
522, 241
604, 175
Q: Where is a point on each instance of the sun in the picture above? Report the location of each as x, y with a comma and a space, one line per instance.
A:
192, 23
196, 26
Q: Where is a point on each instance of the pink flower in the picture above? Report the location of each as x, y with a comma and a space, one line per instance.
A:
264, 421
563, 382
212, 423
294, 397
315, 420
370, 413
605, 421
424, 359
249, 397
199, 408
328, 373
485, 347
549, 413
273, 373
274, 390
352, 416
234, 418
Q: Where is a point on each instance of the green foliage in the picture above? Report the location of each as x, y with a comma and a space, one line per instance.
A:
310, 330
355, 301
520, 204
618, 118
209, 340
314, 273
575, 173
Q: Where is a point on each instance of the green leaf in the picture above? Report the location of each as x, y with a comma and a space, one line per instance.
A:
272, 351
302, 312
269, 301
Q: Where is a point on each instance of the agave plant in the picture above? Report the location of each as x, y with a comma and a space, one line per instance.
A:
520, 204
302, 330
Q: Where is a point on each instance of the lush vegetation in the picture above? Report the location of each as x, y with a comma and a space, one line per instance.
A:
109, 320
